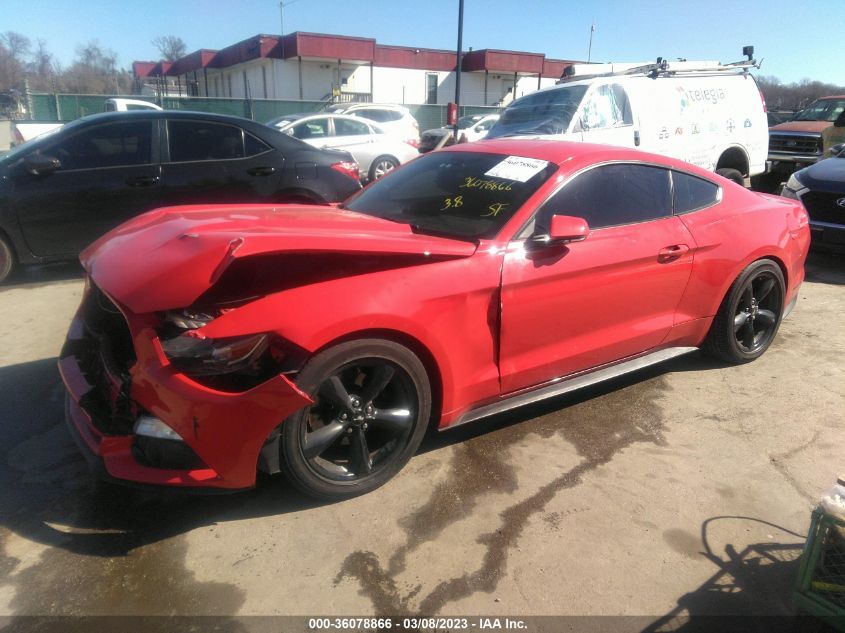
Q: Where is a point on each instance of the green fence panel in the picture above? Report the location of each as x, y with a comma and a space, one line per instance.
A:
67, 107
264, 110
44, 108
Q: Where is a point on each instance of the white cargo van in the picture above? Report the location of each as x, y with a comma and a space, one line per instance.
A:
706, 113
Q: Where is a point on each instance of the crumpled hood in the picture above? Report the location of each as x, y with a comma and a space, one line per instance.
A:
801, 126
167, 258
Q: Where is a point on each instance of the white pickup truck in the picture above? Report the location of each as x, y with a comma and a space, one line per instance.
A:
26, 130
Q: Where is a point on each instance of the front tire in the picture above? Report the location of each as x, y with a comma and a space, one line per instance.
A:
372, 404
749, 316
7, 260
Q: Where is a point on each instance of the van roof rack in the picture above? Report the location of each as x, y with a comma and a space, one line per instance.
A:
662, 67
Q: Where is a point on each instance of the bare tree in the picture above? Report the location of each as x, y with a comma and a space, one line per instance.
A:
14, 49
794, 96
94, 71
170, 47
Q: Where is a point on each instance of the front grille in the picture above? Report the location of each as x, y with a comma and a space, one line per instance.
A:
104, 355
822, 207
802, 144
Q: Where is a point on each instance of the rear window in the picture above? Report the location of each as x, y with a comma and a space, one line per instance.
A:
690, 193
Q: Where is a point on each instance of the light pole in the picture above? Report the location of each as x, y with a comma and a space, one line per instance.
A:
282, 5
458, 67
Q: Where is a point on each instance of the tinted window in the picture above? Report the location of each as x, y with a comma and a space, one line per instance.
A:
453, 193
691, 193
194, 140
112, 145
345, 127
378, 115
253, 146
612, 195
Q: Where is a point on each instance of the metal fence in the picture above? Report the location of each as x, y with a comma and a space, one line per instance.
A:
67, 107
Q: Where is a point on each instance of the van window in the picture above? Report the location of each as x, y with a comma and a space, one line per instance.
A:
608, 106
611, 195
543, 112
691, 193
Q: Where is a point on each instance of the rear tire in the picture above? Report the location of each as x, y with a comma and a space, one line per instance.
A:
732, 174
372, 404
7, 260
381, 166
749, 316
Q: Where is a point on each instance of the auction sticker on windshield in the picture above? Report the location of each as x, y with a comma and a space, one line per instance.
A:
517, 168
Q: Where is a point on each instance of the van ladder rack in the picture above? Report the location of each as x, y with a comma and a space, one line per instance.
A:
661, 67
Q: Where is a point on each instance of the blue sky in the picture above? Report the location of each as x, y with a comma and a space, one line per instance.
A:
795, 40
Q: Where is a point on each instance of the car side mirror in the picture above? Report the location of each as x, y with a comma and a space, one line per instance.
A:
838, 150
840, 120
563, 229
40, 165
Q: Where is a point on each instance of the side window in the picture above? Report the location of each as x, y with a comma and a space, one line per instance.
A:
378, 115
195, 140
345, 127
691, 193
316, 128
607, 108
114, 145
611, 195
253, 146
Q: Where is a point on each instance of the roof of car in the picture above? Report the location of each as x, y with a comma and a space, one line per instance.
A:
163, 114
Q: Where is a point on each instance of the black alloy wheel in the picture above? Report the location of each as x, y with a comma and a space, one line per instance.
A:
750, 314
371, 406
757, 312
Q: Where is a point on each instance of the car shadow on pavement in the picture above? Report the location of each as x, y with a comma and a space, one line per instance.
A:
750, 591
48, 495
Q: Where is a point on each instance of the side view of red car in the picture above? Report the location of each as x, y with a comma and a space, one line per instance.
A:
213, 341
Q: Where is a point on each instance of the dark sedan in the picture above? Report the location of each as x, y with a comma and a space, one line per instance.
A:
60, 192
821, 188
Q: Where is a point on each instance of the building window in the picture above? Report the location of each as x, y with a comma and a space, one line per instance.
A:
431, 88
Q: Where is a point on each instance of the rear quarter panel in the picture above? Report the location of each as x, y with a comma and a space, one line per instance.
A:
745, 227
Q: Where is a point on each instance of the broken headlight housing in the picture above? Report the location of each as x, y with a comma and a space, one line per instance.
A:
197, 356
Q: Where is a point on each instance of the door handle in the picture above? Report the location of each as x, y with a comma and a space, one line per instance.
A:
636, 138
671, 253
141, 181
261, 171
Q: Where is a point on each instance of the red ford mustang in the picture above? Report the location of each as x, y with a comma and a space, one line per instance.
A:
322, 341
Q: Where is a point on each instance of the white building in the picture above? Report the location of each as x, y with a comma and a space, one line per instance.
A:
319, 67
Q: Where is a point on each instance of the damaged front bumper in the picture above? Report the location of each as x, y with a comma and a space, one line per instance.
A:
115, 371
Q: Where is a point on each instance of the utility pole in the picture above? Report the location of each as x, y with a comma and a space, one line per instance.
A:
590, 48
458, 67
282, 5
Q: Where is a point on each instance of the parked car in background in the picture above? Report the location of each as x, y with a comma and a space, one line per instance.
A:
472, 281
59, 193
472, 127
704, 112
375, 151
821, 189
396, 120
118, 104
798, 142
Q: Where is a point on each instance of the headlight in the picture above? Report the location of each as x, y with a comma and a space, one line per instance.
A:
205, 357
793, 188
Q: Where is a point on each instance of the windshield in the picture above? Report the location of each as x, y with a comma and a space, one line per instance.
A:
468, 195
544, 112
822, 110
